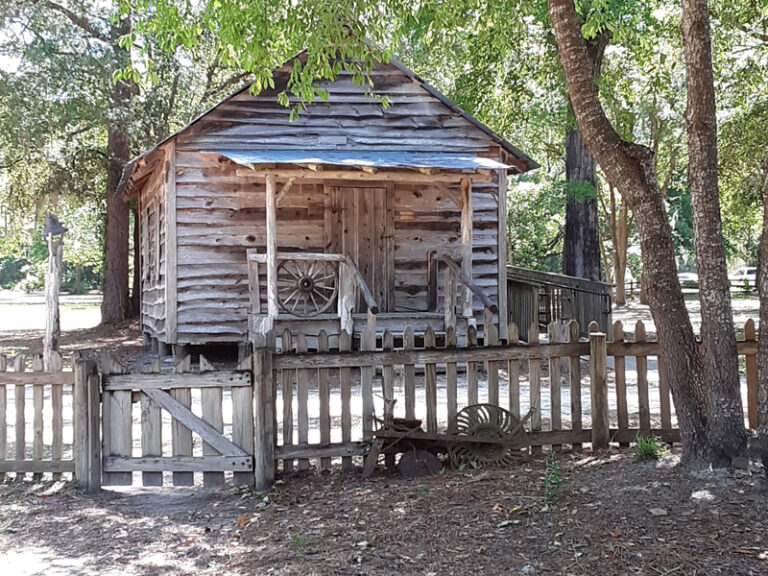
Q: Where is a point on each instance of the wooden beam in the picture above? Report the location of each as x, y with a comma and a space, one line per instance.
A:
272, 306
217, 379
434, 356
502, 255
359, 175
466, 245
171, 250
450, 194
185, 416
178, 464
284, 190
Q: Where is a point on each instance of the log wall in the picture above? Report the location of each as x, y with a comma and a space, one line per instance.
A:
153, 255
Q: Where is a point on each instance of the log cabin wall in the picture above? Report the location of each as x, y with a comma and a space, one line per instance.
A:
221, 214
220, 206
153, 255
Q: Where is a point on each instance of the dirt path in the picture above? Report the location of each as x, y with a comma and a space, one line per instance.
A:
612, 516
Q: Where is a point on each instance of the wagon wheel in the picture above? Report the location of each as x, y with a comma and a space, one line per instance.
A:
487, 421
306, 288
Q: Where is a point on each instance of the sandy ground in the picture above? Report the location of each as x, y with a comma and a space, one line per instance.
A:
610, 516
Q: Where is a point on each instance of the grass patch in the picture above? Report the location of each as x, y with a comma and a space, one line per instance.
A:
649, 448
552, 480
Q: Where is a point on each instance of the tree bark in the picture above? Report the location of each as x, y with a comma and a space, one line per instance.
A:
726, 418
115, 306
762, 345
629, 167
581, 246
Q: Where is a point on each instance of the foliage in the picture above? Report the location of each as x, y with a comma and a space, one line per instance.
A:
649, 448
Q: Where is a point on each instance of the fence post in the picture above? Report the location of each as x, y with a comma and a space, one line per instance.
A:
264, 441
87, 441
750, 335
599, 390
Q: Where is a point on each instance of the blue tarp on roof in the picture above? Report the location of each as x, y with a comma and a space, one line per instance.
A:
356, 158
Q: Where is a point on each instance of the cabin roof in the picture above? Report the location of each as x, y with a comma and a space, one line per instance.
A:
361, 158
138, 170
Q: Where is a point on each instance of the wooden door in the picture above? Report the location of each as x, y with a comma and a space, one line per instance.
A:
364, 230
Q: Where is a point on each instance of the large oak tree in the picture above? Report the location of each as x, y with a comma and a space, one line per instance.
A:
706, 412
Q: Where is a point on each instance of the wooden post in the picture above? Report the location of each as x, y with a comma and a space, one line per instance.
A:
21, 439
430, 384
534, 381
388, 390
751, 369
491, 338
513, 372
37, 422
324, 396
555, 397
272, 306
181, 436
86, 423
346, 297
599, 390
243, 415
151, 431
287, 392
345, 377
171, 246
622, 412
574, 377
264, 444
431, 281
449, 295
466, 245
451, 381
368, 342
502, 255
642, 382
52, 288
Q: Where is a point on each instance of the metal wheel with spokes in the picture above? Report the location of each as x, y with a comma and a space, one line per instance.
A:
306, 288
488, 421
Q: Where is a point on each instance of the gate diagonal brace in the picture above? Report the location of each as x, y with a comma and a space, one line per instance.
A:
208, 433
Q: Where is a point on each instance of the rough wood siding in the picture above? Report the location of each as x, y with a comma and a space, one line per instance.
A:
427, 218
220, 215
414, 120
153, 255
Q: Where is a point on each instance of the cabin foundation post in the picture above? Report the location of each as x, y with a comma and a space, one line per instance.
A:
466, 245
180, 351
163, 349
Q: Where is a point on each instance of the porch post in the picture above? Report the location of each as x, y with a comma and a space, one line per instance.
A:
272, 308
466, 245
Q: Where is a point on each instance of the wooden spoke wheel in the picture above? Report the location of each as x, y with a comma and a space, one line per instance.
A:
487, 421
306, 288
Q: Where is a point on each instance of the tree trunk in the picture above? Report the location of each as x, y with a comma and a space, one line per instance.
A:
762, 345
115, 306
629, 167
581, 246
136, 291
726, 419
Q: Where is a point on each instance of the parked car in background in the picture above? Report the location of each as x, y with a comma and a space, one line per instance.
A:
688, 279
746, 276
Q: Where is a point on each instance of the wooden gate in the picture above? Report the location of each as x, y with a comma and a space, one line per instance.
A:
138, 411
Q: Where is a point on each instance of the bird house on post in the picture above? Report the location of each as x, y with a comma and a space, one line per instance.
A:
53, 233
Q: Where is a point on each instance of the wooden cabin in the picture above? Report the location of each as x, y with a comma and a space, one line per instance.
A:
251, 221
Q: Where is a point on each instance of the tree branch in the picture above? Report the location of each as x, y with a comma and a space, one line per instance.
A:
81, 22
